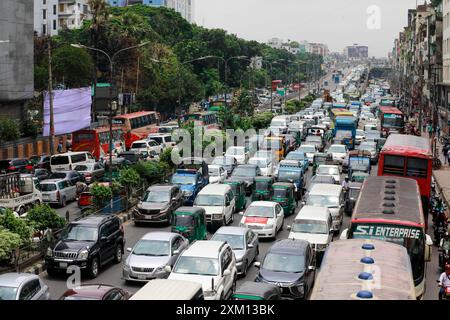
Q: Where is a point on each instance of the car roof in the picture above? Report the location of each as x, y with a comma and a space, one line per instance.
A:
283, 184
313, 213
89, 290
50, 181
140, 141
14, 279
94, 219
289, 246
164, 289
268, 204
232, 230
161, 187
159, 235
215, 189
253, 166
328, 166
204, 248
322, 178
326, 189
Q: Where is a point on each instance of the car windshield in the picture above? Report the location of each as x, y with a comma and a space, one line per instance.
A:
314, 139
83, 167
139, 145
197, 266
8, 293
156, 196
184, 180
307, 149
262, 163
331, 171
214, 172
151, 248
183, 221
223, 161
280, 193
262, 185
236, 241
75, 232
235, 152
288, 175
295, 156
310, 226
337, 149
58, 175
260, 211
47, 187
323, 201
209, 200
79, 298
280, 262
244, 172
278, 123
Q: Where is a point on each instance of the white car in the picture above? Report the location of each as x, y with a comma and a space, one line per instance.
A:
239, 153
149, 146
264, 164
210, 263
338, 152
310, 150
264, 217
360, 136
217, 174
330, 170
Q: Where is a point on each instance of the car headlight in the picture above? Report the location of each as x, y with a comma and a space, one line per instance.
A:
159, 269
49, 252
83, 255
217, 216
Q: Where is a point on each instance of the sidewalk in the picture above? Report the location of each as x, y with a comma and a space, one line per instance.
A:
442, 177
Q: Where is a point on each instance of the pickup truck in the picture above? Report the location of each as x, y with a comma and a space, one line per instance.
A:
190, 182
19, 192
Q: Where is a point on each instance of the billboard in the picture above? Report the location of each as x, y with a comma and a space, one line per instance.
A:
71, 110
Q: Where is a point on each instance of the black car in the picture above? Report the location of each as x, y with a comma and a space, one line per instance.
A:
87, 243
289, 264
72, 175
158, 204
247, 173
16, 165
132, 157
42, 162
42, 174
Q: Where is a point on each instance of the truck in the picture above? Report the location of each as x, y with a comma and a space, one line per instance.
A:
191, 176
345, 131
19, 192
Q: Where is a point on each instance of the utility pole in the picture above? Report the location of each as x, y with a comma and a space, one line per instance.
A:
50, 96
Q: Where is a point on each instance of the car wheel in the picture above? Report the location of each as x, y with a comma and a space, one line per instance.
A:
118, 255
93, 268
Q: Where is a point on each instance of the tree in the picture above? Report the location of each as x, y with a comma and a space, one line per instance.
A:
9, 130
9, 241
72, 66
43, 217
101, 195
242, 103
16, 225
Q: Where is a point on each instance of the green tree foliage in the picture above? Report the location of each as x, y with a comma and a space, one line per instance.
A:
262, 120
129, 177
28, 128
101, 195
151, 171
9, 130
72, 66
9, 241
16, 225
242, 103
166, 157
43, 217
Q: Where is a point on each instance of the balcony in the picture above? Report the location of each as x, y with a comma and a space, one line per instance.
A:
67, 1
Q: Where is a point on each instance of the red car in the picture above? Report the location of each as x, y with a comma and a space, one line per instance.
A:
96, 292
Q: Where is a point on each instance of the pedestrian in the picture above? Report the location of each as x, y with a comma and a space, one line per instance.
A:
68, 143
430, 130
60, 147
438, 131
448, 155
444, 153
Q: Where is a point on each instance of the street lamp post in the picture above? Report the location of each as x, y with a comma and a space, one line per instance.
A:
271, 79
111, 70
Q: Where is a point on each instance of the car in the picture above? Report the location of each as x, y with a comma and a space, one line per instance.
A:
360, 136
239, 153
289, 264
165, 289
370, 146
151, 254
301, 157
157, 204
23, 286
330, 170
95, 292
57, 191
217, 174
42, 174
130, 156
245, 245
315, 140
264, 164
149, 146
247, 173
165, 140
16, 165
91, 171
266, 218
219, 203
191, 182
211, 263
268, 154
88, 243
310, 150
227, 162
338, 152
72, 176
42, 162
320, 179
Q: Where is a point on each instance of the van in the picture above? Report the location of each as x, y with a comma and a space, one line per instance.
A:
165, 289
279, 122
330, 196
162, 139
69, 160
219, 203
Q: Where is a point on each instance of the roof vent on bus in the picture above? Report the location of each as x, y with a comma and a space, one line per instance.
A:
365, 276
389, 186
391, 181
367, 260
390, 192
389, 198
368, 246
388, 212
365, 294
389, 205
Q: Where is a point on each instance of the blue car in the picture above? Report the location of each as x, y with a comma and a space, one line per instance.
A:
190, 183
293, 175
299, 156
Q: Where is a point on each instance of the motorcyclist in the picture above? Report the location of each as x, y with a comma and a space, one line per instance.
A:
444, 281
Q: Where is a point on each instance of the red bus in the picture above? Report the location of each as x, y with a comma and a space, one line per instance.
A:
96, 141
411, 157
391, 119
276, 84
138, 125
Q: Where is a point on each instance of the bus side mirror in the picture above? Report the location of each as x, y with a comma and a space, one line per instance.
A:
428, 248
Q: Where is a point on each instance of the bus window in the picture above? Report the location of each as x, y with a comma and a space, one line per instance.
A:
394, 165
417, 168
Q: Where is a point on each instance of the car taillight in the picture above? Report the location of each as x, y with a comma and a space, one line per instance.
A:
29, 167
12, 168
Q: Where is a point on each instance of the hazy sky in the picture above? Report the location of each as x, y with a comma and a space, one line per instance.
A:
337, 23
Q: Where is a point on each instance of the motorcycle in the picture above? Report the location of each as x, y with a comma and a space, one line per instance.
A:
446, 295
440, 230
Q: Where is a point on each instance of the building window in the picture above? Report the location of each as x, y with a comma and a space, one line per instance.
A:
54, 9
44, 2
54, 24
44, 29
44, 14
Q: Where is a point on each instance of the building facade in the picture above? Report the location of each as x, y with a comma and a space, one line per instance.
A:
16, 56
356, 52
319, 49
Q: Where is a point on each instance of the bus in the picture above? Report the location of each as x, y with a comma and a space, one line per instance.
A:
96, 141
388, 102
392, 119
411, 157
390, 209
137, 125
340, 112
390, 277
207, 120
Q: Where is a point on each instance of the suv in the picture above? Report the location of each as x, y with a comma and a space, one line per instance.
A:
87, 243
158, 204
211, 263
16, 165
68, 175
57, 191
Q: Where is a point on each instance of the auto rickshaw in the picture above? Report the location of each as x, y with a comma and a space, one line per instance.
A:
351, 196
238, 187
320, 159
257, 291
190, 222
262, 190
283, 193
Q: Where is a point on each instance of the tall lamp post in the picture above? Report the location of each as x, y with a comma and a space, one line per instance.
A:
111, 70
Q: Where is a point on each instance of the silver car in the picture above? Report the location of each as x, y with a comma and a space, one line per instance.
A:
150, 256
58, 192
244, 243
23, 286
91, 171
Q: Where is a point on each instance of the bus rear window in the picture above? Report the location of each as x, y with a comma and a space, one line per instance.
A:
417, 168
394, 165
59, 160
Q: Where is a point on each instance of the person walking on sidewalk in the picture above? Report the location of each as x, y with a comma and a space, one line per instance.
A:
444, 153
438, 131
430, 130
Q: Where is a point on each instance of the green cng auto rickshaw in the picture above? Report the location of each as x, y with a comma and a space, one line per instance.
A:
257, 291
320, 159
262, 190
190, 222
238, 187
283, 193
351, 196
359, 176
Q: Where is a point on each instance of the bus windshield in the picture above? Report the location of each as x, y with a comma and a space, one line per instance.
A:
393, 121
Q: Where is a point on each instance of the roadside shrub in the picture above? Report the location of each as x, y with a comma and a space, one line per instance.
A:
9, 130
43, 217
101, 194
16, 225
9, 241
